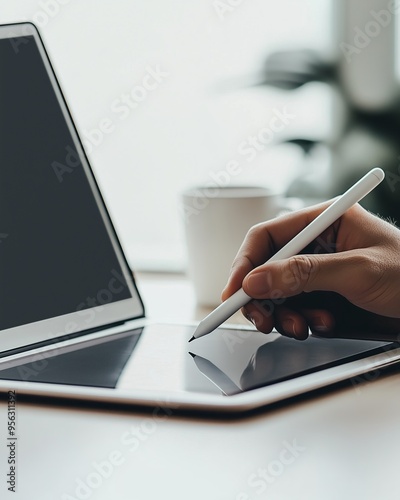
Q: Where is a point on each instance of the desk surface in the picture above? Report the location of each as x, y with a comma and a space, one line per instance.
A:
342, 444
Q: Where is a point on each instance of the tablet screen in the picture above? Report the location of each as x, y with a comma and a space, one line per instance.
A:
158, 358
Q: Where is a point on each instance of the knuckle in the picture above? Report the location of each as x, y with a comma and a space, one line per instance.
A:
254, 231
244, 257
362, 262
302, 269
239, 261
368, 266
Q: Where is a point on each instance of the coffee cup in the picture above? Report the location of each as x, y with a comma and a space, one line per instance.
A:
216, 221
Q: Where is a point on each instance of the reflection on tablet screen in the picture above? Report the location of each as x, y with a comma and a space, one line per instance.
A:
281, 359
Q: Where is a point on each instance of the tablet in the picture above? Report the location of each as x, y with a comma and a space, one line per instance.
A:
231, 370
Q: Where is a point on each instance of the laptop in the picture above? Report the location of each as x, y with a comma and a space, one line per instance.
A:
72, 322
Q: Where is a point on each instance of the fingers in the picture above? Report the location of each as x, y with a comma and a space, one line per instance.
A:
320, 321
356, 258
356, 229
261, 318
346, 273
263, 240
240, 268
289, 322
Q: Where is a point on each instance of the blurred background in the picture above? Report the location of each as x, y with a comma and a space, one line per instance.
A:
302, 95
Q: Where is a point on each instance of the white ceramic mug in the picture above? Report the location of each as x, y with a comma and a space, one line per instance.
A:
216, 221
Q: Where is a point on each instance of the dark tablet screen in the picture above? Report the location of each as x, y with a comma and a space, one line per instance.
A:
158, 358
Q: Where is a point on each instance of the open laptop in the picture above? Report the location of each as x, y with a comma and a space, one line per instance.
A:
72, 323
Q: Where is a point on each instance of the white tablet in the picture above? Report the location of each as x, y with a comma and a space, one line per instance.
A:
230, 370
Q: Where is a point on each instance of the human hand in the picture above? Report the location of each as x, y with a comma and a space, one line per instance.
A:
345, 283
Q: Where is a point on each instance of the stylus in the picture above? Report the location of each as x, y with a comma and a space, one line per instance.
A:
352, 196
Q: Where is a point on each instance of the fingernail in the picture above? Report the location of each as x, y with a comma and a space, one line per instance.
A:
319, 324
257, 284
288, 327
249, 318
320, 328
224, 291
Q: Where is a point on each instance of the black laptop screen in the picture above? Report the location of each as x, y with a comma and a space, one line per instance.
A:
56, 256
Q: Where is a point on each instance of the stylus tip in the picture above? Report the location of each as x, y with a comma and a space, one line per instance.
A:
192, 338
193, 355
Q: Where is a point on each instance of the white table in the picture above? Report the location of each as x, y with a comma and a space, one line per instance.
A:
343, 444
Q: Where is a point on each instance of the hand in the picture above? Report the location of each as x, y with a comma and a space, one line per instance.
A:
346, 283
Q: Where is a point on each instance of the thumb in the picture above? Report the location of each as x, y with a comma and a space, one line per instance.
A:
342, 272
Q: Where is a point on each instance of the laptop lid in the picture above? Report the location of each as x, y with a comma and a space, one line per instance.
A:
62, 269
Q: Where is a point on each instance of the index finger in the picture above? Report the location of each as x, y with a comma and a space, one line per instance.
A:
264, 240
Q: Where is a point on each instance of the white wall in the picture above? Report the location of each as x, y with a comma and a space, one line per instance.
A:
186, 127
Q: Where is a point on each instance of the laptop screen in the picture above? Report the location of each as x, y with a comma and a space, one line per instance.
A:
58, 251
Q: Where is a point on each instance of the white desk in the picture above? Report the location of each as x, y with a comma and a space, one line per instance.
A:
347, 443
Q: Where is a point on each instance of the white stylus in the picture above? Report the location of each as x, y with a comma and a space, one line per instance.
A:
352, 196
